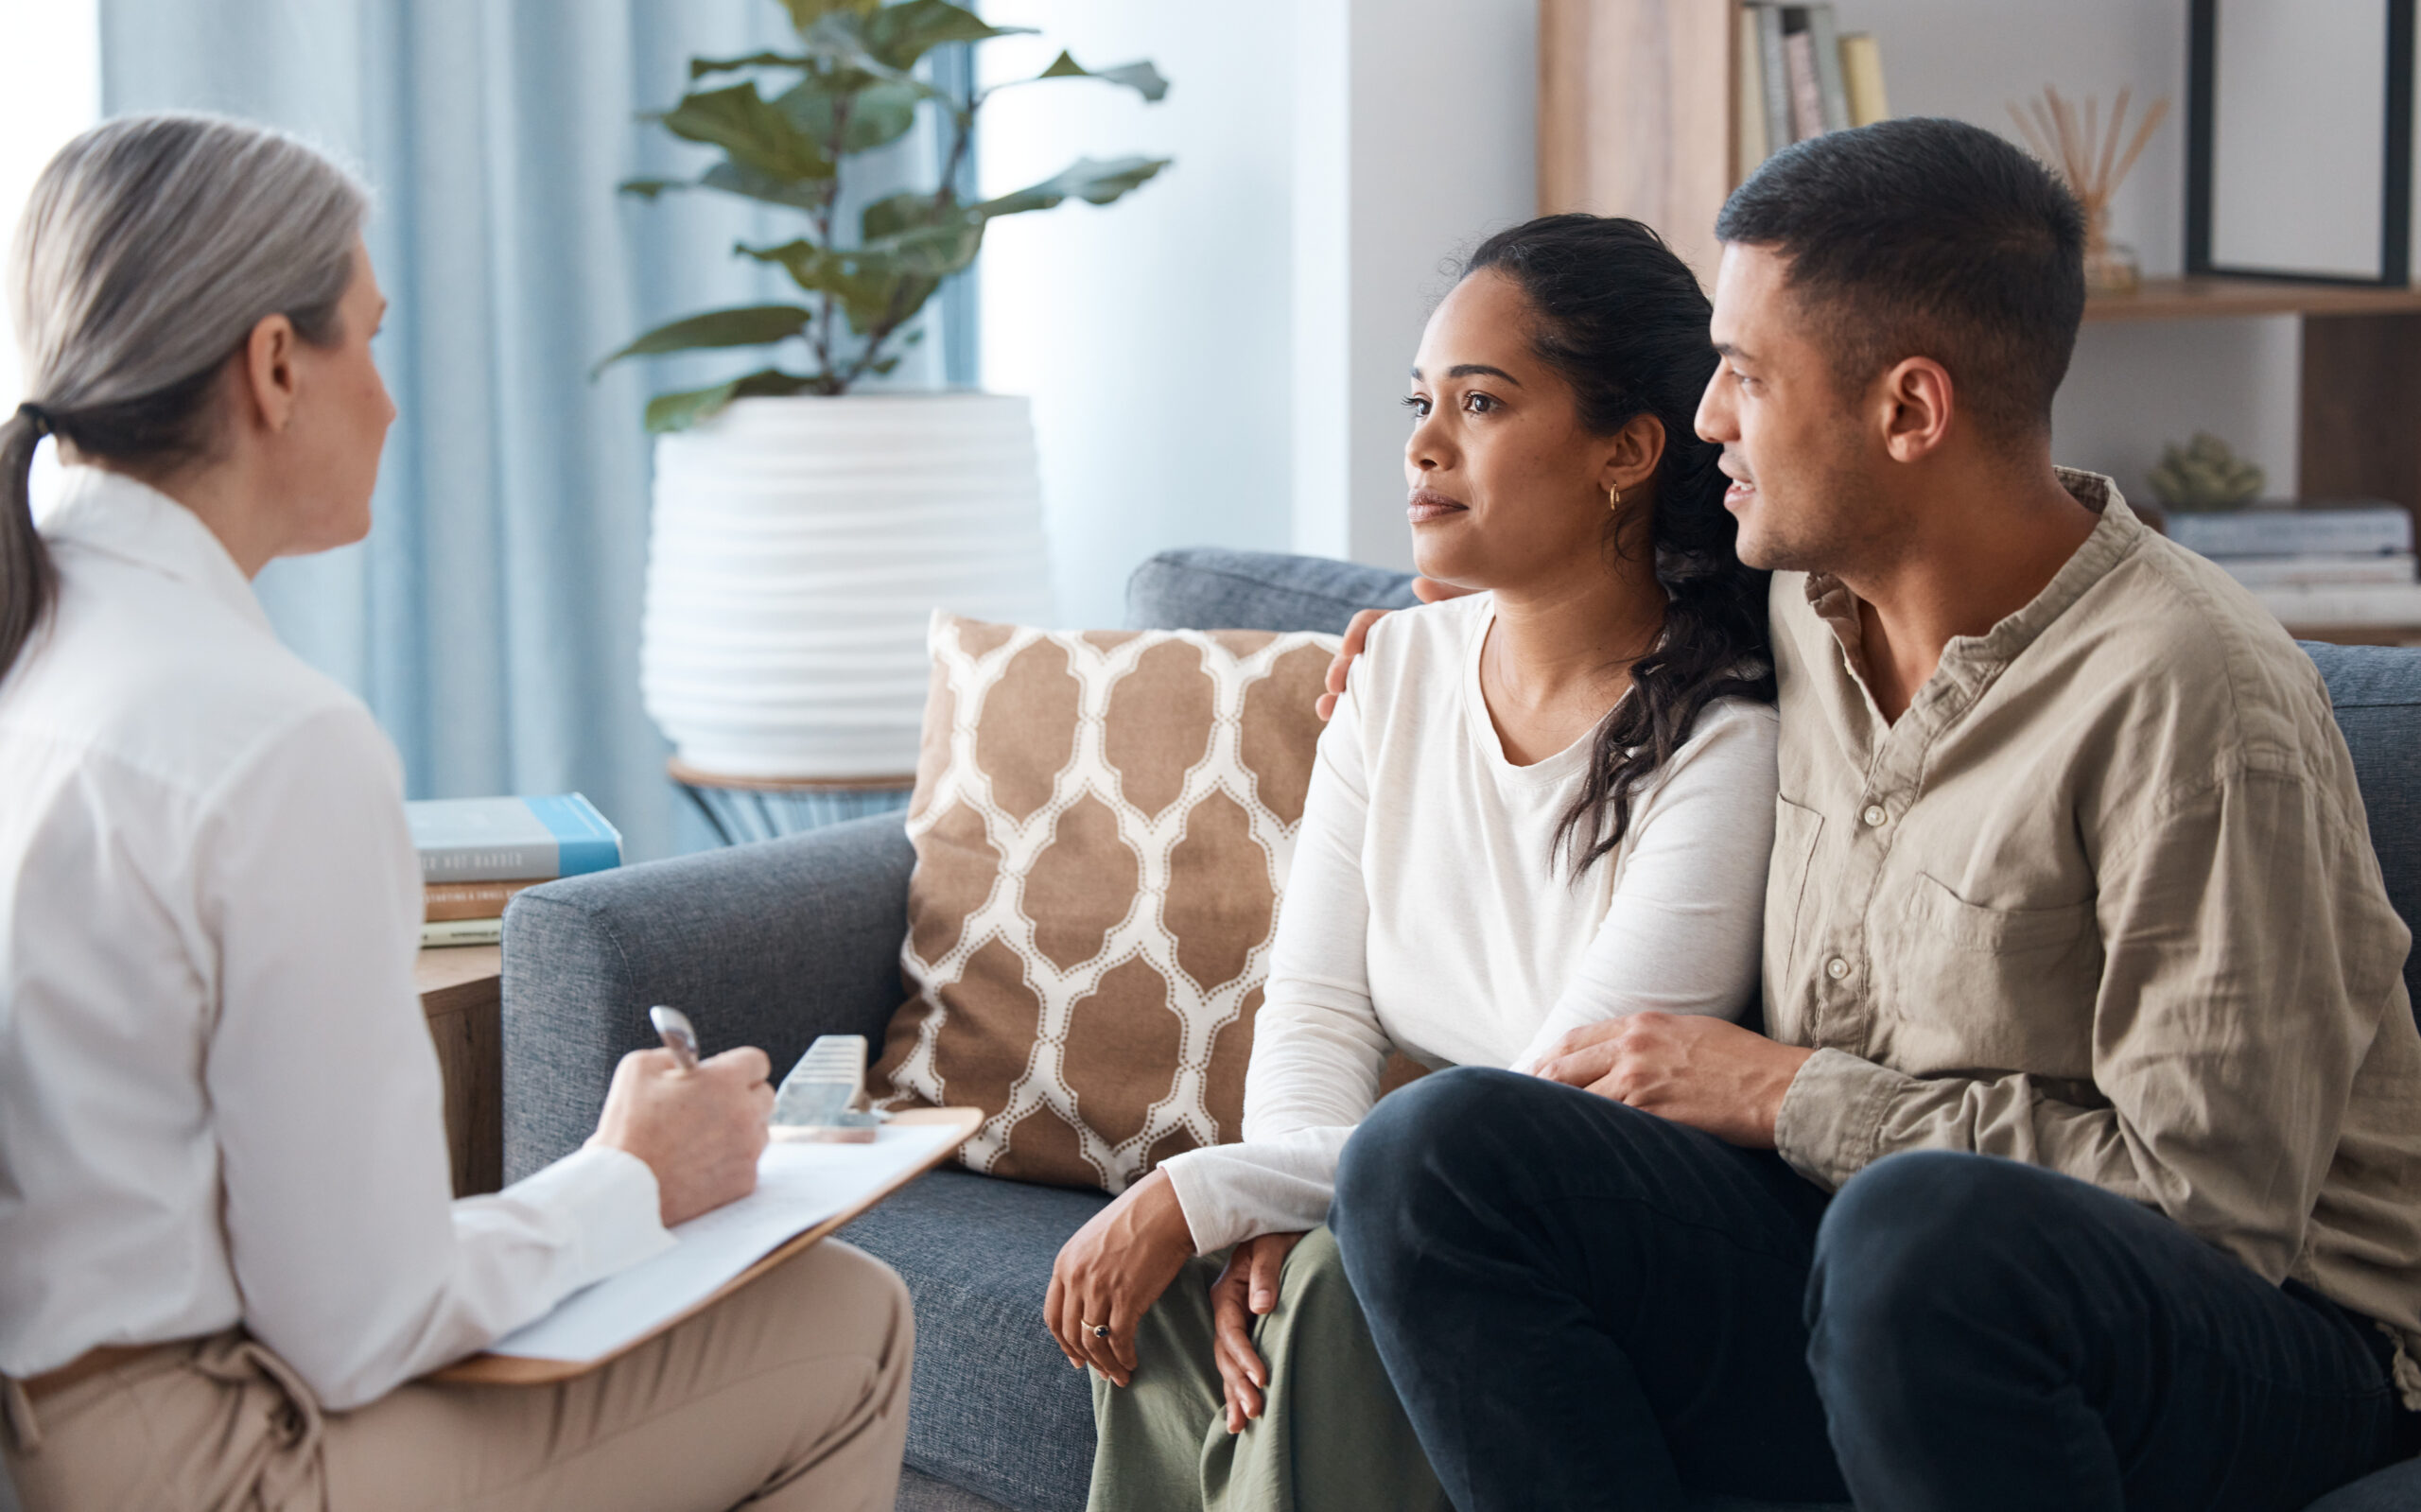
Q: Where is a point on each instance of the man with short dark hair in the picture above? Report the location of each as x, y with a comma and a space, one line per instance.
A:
2083, 1168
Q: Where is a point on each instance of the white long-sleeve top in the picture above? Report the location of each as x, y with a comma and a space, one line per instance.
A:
1428, 910
219, 1100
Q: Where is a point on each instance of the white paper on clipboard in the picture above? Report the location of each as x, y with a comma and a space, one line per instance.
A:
798, 1186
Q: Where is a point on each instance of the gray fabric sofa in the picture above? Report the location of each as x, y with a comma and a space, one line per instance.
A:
776, 943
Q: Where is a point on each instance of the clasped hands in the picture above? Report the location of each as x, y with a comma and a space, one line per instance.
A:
1112, 1270
1692, 1069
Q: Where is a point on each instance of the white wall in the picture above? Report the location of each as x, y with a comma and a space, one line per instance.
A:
1427, 145
1152, 334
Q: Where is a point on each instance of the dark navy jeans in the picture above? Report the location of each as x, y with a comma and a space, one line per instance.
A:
1585, 1306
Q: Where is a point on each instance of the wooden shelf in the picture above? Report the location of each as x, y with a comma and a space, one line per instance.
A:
2204, 299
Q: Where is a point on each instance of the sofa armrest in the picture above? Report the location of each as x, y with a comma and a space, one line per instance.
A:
768, 944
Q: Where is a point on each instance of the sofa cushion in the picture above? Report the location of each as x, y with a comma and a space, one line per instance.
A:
2376, 691
1207, 587
1102, 821
994, 1406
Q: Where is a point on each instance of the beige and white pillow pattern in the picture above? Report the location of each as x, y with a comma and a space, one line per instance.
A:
1103, 823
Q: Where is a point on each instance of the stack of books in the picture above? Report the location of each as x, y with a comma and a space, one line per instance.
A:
2348, 564
476, 853
1801, 76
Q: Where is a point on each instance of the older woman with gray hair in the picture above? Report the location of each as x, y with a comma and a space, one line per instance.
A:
228, 1245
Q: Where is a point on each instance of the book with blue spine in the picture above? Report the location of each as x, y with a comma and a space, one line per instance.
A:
479, 839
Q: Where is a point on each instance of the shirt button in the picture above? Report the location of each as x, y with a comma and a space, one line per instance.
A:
1873, 816
1837, 968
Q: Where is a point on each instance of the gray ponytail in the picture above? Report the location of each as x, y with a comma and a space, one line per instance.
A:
150, 249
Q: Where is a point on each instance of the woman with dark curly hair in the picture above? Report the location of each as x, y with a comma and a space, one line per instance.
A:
1541, 803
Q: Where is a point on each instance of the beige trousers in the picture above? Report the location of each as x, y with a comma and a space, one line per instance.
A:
789, 1394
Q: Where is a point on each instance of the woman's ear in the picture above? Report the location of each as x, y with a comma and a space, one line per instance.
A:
1638, 448
268, 381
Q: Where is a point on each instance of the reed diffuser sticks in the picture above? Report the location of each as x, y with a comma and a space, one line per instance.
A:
2078, 146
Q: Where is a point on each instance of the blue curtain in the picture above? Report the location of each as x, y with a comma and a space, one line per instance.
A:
492, 618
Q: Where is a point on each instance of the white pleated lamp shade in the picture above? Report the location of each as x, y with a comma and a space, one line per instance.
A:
797, 552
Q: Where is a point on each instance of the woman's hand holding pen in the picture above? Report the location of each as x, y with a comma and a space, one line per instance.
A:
700, 1131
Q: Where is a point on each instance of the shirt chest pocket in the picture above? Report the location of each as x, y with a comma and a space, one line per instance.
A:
1954, 922
1968, 985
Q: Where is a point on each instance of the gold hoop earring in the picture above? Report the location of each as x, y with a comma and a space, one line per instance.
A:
1614, 498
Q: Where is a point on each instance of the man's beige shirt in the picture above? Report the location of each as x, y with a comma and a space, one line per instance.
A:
2104, 900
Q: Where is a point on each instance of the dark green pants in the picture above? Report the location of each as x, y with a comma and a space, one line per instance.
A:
1332, 1437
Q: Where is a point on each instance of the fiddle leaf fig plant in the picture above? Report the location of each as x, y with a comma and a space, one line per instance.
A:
849, 88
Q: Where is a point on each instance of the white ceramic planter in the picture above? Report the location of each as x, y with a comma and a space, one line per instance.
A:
797, 549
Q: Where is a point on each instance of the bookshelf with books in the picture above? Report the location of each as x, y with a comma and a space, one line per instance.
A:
1658, 108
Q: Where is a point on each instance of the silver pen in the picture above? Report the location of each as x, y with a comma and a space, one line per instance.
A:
673, 1027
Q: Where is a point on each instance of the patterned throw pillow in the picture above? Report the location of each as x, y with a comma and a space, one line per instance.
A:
1103, 823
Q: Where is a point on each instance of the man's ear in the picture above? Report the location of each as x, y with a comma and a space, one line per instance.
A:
268, 381
1918, 403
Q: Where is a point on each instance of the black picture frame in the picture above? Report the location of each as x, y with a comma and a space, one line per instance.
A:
2395, 190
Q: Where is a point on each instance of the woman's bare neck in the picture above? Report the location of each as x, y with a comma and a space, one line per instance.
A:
1560, 653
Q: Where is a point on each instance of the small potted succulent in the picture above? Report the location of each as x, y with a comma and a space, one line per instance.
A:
802, 529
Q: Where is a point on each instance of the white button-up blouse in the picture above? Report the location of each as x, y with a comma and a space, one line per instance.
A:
219, 1102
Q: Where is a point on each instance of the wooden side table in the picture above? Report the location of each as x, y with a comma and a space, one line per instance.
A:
740, 808
461, 991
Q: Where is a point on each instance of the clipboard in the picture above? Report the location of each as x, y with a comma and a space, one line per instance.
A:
488, 1369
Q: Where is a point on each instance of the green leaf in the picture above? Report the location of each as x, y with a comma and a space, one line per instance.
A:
806, 13
746, 124
881, 110
878, 287
931, 252
737, 178
749, 325
679, 411
820, 271
1095, 183
917, 237
894, 214
901, 34
700, 67
840, 40
733, 177
1139, 75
